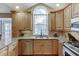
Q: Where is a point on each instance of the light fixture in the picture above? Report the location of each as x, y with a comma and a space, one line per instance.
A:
57, 5
17, 7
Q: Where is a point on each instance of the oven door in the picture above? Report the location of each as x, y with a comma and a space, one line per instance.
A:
68, 52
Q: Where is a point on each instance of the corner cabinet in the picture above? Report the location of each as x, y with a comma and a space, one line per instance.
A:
67, 18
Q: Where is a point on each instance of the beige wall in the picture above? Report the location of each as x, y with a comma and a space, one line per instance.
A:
5, 15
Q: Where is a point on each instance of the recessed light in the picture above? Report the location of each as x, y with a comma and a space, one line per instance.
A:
57, 5
17, 7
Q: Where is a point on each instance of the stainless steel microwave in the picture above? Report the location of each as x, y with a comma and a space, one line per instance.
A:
75, 24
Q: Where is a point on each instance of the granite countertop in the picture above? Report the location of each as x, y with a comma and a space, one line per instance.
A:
2, 45
33, 37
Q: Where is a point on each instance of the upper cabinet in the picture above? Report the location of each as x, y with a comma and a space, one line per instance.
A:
67, 18
53, 21
75, 9
21, 21
59, 20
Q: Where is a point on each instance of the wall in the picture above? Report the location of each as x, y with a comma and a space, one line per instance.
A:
5, 15
0, 27
23, 20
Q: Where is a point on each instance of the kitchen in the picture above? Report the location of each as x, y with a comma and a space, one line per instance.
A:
42, 29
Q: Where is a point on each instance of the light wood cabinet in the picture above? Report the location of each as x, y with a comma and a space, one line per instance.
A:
3, 51
53, 21
20, 21
67, 18
29, 21
19, 47
59, 20
46, 47
61, 49
42, 47
26, 47
55, 47
75, 10
39, 47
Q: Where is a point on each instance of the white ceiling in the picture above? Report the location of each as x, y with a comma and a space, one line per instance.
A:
7, 7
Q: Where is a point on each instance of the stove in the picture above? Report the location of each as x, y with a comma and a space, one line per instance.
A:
71, 48
74, 43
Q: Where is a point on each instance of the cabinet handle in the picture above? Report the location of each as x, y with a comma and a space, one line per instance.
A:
42, 44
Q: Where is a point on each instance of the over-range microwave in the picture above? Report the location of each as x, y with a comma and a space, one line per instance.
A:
75, 24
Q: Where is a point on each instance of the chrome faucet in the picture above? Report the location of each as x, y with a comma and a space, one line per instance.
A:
41, 34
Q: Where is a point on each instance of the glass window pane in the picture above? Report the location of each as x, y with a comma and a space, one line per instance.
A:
6, 30
40, 21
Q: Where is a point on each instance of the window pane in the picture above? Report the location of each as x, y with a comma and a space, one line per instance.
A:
6, 30
40, 22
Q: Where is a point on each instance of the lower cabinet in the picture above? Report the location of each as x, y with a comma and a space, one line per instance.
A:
39, 47
32, 47
45, 47
26, 47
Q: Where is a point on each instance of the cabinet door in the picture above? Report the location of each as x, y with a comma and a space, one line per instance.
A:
38, 47
28, 24
21, 21
55, 47
18, 22
75, 9
60, 49
42, 47
3, 52
26, 47
47, 48
59, 20
67, 18
53, 21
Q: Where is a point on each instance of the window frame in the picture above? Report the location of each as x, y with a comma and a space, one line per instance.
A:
44, 8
